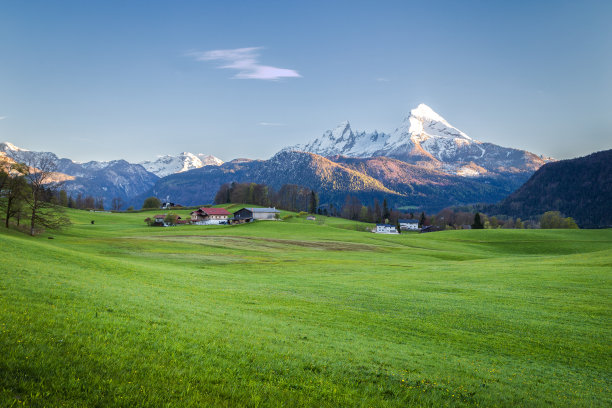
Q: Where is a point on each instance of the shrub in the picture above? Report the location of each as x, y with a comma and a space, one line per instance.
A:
554, 219
151, 202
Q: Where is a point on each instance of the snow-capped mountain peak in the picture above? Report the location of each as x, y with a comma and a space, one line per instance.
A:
166, 165
422, 124
424, 112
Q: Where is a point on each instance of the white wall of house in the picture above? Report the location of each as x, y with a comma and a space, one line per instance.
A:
410, 226
385, 229
210, 222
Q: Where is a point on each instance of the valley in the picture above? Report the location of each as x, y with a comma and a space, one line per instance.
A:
302, 313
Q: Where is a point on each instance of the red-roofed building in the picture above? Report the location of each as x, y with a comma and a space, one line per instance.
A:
207, 216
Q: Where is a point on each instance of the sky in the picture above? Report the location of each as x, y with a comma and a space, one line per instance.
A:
102, 80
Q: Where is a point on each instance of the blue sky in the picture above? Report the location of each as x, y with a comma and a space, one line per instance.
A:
105, 80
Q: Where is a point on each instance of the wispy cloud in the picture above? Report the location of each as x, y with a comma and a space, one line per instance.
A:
381, 79
2, 117
246, 61
271, 124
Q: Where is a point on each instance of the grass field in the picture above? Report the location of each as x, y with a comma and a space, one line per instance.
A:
303, 313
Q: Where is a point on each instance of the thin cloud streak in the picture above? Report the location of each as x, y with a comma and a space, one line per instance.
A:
245, 60
271, 124
3, 117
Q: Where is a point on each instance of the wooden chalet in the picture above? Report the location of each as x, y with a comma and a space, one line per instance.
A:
208, 216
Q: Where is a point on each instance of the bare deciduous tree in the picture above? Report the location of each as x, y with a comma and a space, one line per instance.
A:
42, 212
116, 203
13, 188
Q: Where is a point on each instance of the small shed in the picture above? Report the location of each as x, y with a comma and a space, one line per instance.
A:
159, 220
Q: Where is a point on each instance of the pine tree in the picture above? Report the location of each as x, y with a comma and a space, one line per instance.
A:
423, 220
477, 222
386, 211
314, 202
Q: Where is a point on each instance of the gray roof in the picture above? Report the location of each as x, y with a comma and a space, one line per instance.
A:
263, 210
408, 221
386, 225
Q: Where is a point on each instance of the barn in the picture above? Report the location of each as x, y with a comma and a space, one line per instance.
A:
255, 214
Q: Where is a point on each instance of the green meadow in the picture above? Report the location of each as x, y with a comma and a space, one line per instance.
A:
303, 313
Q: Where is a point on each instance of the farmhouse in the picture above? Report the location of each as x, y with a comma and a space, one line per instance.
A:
408, 224
386, 229
253, 214
209, 216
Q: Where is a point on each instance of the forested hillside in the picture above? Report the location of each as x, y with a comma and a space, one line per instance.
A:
579, 188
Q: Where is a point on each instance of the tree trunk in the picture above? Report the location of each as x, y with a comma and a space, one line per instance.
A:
32, 223
8, 211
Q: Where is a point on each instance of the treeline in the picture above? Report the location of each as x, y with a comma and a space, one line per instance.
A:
80, 202
88, 202
289, 197
28, 193
376, 212
450, 218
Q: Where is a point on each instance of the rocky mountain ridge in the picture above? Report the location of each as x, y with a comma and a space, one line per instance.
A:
185, 161
425, 138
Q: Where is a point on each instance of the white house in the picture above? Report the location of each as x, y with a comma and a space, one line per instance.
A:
409, 225
386, 229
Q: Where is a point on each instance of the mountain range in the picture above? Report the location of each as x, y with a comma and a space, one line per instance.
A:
110, 179
425, 163
166, 165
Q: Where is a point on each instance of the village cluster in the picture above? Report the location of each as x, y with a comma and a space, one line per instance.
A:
216, 216
220, 216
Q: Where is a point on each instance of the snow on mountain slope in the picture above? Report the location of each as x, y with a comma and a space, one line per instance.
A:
424, 137
166, 165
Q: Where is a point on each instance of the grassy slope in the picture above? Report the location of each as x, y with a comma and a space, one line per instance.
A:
297, 313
